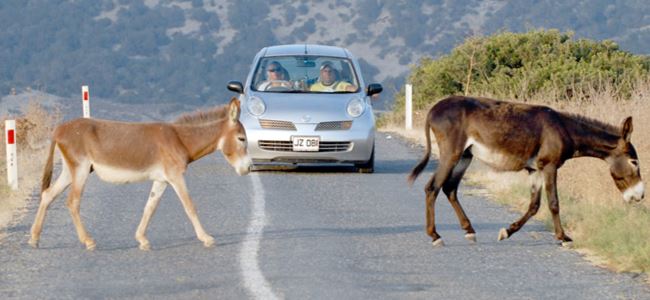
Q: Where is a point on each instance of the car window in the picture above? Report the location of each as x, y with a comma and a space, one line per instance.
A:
305, 74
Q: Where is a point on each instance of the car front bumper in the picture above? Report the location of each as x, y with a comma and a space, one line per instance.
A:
354, 145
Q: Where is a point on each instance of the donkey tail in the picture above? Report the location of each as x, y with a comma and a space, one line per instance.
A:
423, 162
49, 165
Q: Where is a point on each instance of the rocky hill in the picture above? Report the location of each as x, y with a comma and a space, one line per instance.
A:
186, 51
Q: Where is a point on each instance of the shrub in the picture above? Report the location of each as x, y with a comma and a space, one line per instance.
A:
520, 65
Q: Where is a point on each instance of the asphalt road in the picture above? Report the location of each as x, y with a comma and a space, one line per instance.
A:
323, 233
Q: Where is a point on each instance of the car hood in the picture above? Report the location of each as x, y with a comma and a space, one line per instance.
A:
306, 108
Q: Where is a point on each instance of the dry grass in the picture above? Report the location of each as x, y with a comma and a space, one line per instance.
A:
33, 128
611, 233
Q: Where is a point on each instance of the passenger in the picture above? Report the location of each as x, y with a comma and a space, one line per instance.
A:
328, 80
276, 78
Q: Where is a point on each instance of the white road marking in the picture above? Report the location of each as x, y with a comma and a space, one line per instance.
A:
254, 280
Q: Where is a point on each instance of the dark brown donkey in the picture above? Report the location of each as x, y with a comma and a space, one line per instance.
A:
512, 137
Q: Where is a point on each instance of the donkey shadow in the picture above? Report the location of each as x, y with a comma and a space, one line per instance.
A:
484, 231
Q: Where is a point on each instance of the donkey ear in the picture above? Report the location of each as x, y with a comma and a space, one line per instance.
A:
626, 132
234, 109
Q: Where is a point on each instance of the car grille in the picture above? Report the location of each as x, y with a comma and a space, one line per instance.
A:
287, 146
275, 124
335, 125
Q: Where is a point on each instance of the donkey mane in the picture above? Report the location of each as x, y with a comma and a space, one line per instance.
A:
590, 122
203, 116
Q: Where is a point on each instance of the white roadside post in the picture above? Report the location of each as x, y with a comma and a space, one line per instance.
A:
12, 158
85, 96
408, 120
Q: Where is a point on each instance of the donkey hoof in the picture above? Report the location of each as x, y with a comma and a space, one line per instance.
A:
33, 243
438, 243
568, 245
90, 245
503, 234
471, 237
145, 246
209, 242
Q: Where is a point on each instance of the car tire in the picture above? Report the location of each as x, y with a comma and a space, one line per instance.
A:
369, 166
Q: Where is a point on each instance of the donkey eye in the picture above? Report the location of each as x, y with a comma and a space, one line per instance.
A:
242, 139
634, 162
616, 177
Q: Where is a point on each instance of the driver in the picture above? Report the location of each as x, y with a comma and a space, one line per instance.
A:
328, 81
275, 77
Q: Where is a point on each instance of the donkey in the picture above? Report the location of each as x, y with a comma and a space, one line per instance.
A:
122, 152
512, 137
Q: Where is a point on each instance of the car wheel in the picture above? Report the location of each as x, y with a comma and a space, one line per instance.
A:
369, 166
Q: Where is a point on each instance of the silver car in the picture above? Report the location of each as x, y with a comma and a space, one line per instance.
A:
308, 104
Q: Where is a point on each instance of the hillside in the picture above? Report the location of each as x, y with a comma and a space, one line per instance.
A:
186, 51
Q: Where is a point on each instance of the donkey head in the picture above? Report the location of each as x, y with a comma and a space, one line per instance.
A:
233, 142
624, 166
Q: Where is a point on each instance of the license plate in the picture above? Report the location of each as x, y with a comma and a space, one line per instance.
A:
305, 143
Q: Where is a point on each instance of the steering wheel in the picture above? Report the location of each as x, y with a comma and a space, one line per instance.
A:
278, 85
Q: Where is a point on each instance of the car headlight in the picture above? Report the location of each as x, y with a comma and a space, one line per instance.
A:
356, 106
255, 106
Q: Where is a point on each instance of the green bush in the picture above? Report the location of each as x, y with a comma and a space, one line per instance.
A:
519, 65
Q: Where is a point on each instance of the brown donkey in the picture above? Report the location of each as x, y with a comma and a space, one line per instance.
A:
128, 152
512, 137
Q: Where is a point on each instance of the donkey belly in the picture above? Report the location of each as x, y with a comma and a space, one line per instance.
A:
499, 160
122, 175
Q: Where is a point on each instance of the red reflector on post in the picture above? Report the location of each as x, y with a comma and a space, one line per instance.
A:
85, 96
10, 137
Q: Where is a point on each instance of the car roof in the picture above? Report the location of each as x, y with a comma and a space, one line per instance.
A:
306, 49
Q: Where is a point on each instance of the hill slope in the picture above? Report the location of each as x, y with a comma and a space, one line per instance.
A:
172, 50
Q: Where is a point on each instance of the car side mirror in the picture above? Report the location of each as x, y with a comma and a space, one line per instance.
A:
236, 87
374, 88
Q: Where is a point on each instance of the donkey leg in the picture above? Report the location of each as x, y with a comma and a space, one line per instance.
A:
536, 179
181, 190
157, 190
431, 195
432, 189
553, 202
450, 188
79, 177
47, 196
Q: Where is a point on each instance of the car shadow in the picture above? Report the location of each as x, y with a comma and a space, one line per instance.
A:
305, 168
403, 166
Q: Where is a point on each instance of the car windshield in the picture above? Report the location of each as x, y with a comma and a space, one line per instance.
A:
305, 74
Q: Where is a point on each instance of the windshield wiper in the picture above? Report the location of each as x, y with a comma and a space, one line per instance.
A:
287, 92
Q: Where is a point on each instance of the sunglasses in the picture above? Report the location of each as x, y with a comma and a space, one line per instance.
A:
273, 70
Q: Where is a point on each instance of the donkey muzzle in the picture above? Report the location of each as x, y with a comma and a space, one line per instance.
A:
634, 193
243, 166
